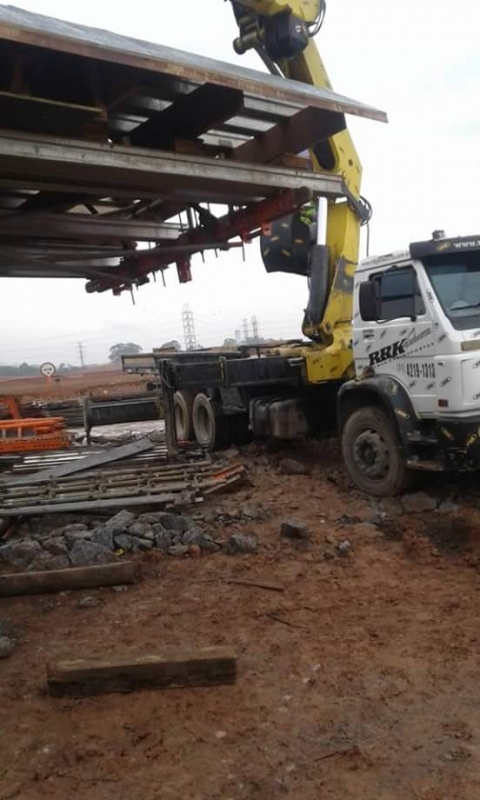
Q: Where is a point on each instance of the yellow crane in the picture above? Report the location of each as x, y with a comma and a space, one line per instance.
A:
282, 32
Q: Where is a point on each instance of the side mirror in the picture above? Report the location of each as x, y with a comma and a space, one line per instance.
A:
369, 301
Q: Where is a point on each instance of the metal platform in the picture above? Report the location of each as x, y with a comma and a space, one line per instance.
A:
109, 139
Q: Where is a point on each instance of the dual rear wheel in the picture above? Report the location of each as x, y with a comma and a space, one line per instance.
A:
199, 417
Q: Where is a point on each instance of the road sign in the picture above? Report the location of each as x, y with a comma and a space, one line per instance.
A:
48, 369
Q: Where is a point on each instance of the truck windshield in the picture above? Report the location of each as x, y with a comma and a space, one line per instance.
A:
456, 281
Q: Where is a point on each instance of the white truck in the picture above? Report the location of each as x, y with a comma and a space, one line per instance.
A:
415, 402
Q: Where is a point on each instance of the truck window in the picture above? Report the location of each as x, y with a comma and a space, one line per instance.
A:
396, 288
456, 282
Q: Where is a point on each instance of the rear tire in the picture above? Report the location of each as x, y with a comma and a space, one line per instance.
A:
183, 408
372, 455
209, 424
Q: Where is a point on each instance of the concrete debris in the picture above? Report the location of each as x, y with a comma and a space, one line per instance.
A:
238, 543
344, 548
289, 466
294, 529
89, 602
7, 646
418, 502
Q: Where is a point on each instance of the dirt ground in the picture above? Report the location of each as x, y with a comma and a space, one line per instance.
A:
360, 681
72, 385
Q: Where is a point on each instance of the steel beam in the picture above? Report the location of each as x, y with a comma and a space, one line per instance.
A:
189, 178
92, 227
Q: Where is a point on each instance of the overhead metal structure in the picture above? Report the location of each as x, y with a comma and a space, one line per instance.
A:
106, 140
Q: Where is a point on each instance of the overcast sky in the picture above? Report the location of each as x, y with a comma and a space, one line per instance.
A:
418, 61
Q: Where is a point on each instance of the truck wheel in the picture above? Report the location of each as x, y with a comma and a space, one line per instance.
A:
372, 454
183, 405
210, 426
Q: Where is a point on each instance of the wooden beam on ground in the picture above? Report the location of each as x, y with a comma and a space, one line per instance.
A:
209, 666
60, 580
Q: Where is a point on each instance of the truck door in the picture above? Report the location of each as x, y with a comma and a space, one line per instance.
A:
400, 341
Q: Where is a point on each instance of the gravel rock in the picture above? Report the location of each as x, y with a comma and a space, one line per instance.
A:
344, 548
56, 546
418, 502
123, 541
7, 646
119, 589
20, 554
390, 507
178, 550
142, 529
294, 529
448, 507
197, 536
84, 535
104, 536
141, 545
238, 543
161, 538
58, 562
289, 466
84, 553
172, 522
120, 522
88, 602
41, 562
328, 555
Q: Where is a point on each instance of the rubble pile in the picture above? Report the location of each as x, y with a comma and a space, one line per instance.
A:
99, 542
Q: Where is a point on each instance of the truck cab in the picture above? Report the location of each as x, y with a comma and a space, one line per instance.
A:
415, 401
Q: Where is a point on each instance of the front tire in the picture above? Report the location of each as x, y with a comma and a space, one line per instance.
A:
372, 455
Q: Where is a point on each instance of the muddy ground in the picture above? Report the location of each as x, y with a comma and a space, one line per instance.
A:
360, 681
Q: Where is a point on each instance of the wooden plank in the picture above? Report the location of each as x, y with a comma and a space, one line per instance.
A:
105, 456
59, 580
208, 666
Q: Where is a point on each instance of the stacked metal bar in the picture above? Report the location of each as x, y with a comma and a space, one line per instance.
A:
107, 139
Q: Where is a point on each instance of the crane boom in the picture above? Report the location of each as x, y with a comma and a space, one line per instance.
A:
282, 32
